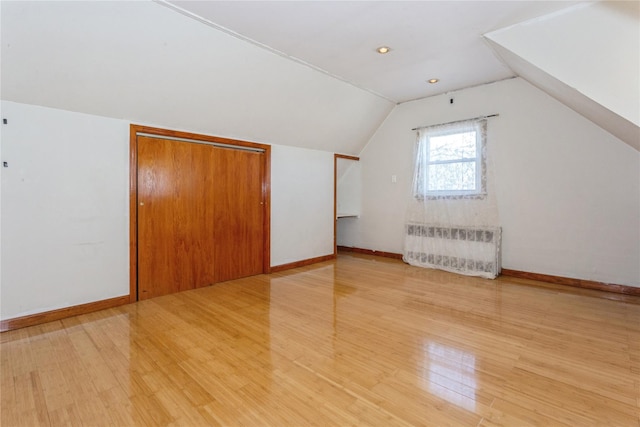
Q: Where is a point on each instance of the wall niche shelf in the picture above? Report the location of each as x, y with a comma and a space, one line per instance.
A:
347, 215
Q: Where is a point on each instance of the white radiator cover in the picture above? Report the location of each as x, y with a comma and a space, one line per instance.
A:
473, 251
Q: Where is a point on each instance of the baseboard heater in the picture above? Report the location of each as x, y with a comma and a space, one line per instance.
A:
472, 251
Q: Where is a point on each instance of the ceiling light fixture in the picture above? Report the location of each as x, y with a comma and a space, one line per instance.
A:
383, 49
432, 81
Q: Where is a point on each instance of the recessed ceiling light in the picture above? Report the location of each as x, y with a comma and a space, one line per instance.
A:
432, 81
383, 49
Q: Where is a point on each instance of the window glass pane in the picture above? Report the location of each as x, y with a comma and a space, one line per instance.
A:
452, 176
452, 147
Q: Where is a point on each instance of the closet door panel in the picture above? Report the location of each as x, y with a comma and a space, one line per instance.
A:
175, 216
239, 213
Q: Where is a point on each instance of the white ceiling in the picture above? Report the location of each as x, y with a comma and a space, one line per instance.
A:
429, 39
142, 62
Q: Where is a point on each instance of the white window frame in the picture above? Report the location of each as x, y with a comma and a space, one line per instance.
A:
423, 162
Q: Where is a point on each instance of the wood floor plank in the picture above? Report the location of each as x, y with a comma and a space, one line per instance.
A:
360, 340
509, 414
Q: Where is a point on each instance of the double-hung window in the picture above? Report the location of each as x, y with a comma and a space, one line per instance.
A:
450, 161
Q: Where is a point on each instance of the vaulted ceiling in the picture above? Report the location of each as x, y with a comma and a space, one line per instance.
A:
428, 39
304, 74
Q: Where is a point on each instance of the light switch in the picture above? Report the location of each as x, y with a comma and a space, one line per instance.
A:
394, 178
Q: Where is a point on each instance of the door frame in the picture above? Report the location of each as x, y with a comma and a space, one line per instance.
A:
337, 156
134, 130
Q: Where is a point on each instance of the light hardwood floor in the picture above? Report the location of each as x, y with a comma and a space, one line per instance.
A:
358, 341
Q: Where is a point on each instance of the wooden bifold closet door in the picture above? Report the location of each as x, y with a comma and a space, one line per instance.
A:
200, 215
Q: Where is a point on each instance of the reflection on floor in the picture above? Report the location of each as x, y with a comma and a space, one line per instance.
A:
358, 341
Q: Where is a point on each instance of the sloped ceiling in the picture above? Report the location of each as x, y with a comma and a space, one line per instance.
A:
293, 73
428, 39
145, 63
593, 66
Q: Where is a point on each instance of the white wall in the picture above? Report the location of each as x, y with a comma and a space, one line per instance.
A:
568, 191
348, 187
65, 208
301, 204
65, 205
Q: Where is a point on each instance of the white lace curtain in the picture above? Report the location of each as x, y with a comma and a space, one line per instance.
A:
452, 217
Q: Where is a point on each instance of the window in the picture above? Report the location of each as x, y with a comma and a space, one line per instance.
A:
450, 161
